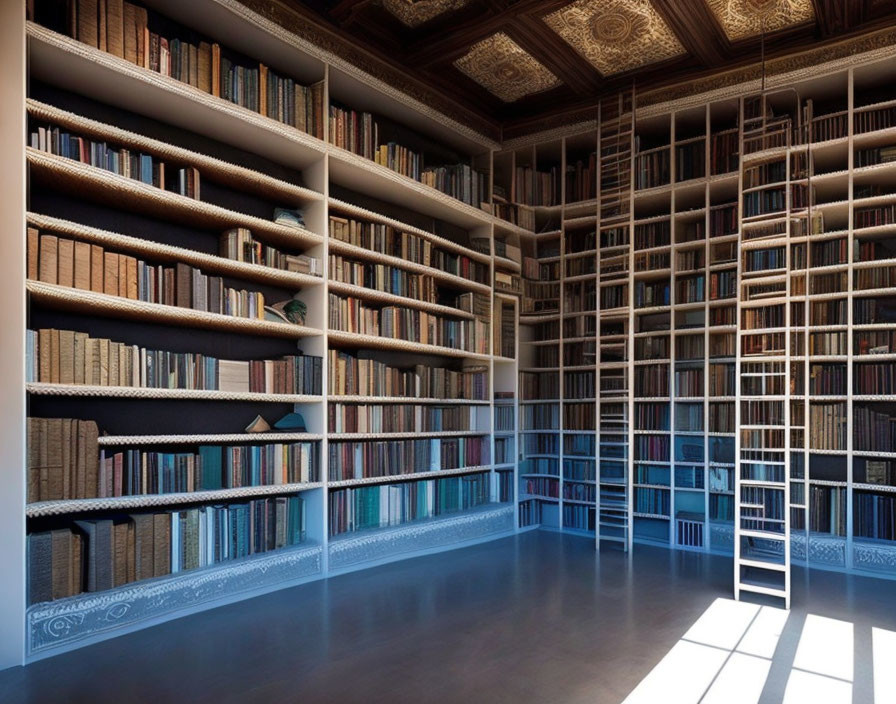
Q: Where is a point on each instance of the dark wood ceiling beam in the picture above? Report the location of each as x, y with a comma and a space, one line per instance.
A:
696, 28
345, 10
839, 17
549, 49
445, 41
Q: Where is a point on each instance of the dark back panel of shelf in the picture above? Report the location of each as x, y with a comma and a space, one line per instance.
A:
127, 416
161, 131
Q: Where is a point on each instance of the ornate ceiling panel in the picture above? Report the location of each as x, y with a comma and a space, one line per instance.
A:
503, 67
616, 35
746, 18
416, 12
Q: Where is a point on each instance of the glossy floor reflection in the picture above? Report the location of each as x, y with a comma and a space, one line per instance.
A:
535, 618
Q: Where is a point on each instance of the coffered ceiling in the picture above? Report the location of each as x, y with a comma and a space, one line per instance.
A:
512, 63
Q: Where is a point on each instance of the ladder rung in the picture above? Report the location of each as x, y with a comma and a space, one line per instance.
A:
771, 591
751, 506
776, 566
758, 482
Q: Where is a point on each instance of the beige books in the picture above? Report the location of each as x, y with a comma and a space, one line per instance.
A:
49, 258
33, 253
66, 357
54, 356
82, 266
204, 67
102, 43
122, 275
131, 278
110, 279
129, 30
44, 348
96, 268
33, 477
233, 375
103, 349
88, 22
66, 273
79, 357
64, 485
115, 27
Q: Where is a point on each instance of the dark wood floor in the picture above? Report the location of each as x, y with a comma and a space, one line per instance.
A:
535, 618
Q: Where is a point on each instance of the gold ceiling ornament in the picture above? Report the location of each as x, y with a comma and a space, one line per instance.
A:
747, 18
416, 12
503, 68
616, 35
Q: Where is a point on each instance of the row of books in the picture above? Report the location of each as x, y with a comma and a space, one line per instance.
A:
874, 428
581, 179
827, 426
538, 385
578, 416
579, 492
652, 169
99, 554
397, 323
385, 239
579, 470
870, 157
650, 294
381, 277
827, 510
877, 277
874, 216
874, 516
652, 501
827, 379
89, 267
763, 174
459, 181
368, 507
145, 168
123, 29
690, 161
721, 417
875, 379
69, 357
613, 297
723, 220
540, 416
653, 234
872, 342
722, 345
211, 467
651, 416
765, 317
388, 458
651, 380
537, 188
689, 417
647, 261
581, 266
402, 418
690, 260
62, 461
505, 451
578, 385
866, 311
764, 202
689, 382
351, 375
691, 289
239, 245
651, 447
504, 417
538, 486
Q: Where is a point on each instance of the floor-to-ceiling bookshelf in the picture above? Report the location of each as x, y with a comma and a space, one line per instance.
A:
628, 383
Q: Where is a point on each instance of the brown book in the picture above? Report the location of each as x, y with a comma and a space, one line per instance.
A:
54, 356
184, 286
120, 546
132, 552
204, 66
32, 431
143, 44
91, 371
262, 89
68, 449
44, 356
33, 253
49, 259
193, 76
82, 266
123, 275
80, 373
129, 31
103, 349
115, 27
101, 26
51, 487
43, 469
66, 357
216, 70
79, 476
143, 545
66, 274
110, 279
88, 22
161, 544
113, 363
131, 278
97, 268
91, 457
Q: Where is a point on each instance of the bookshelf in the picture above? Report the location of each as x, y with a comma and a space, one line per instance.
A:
571, 353
415, 318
